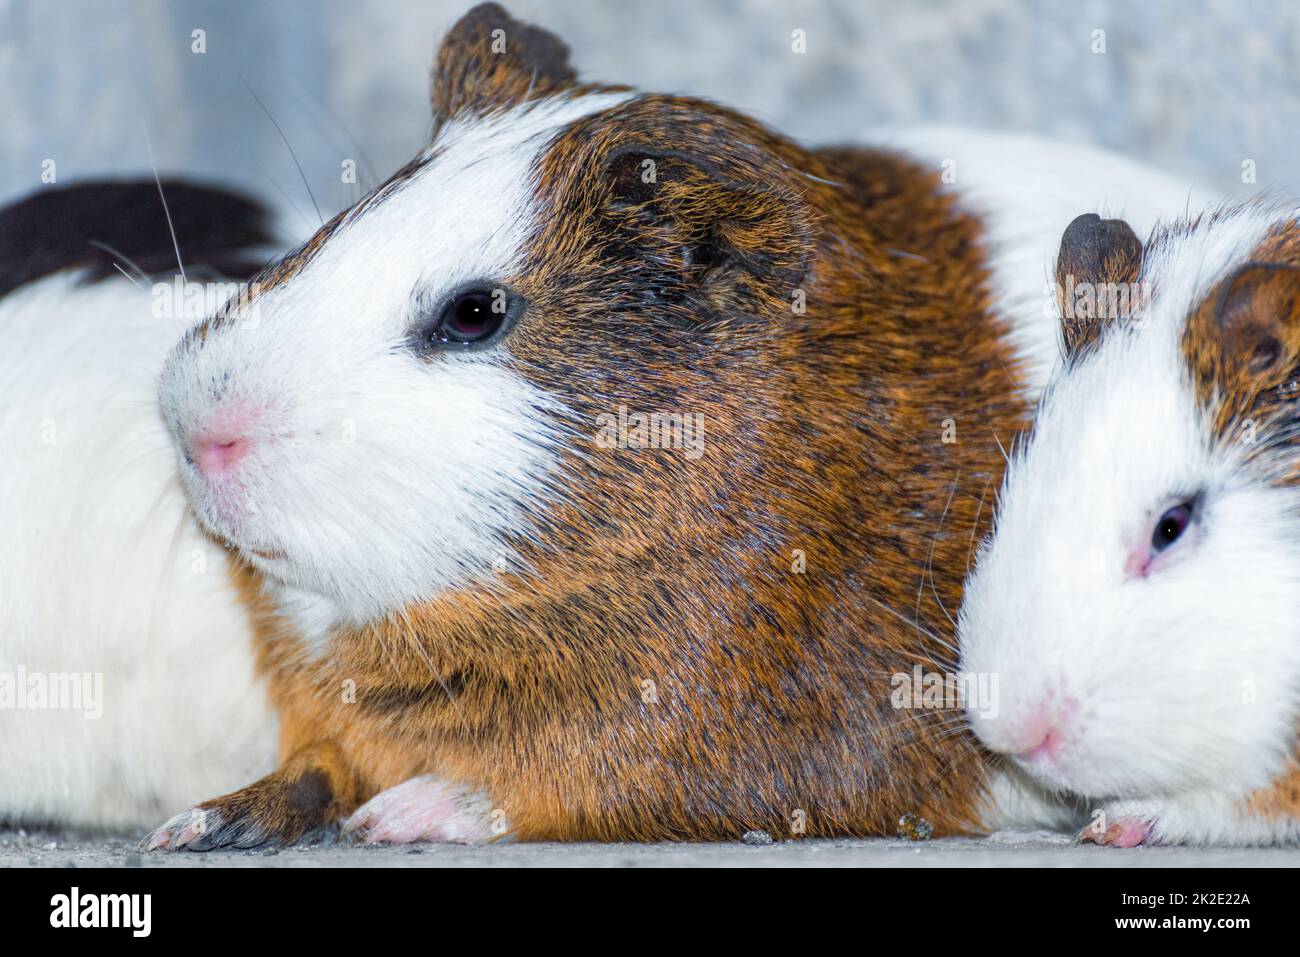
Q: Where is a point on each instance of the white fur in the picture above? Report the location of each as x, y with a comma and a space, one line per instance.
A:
1014, 801
379, 478
1186, 682
104, 571
1026, 190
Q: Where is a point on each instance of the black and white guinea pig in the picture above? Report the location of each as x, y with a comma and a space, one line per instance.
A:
1139, 597
126, 674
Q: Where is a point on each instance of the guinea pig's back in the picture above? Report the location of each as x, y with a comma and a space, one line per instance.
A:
1025, 190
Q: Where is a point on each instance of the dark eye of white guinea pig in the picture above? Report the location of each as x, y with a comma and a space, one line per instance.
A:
471, 317
1170, 526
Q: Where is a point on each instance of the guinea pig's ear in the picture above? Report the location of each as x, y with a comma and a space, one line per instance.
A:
490, 61
1248, 330
1097, 270
737, 238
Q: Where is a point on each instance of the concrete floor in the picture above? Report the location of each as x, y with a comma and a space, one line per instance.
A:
1009, 849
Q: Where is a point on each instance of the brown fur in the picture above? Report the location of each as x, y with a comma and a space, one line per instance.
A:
1279, 800
660, 671
1242, 345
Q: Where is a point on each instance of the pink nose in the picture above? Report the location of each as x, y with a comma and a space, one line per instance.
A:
1043, 735
218, 445
1045, 749
222, 454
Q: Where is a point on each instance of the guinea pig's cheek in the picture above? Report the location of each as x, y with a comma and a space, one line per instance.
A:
400, 480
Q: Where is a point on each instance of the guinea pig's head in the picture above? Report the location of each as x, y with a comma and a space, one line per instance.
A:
448, 373
1139, 597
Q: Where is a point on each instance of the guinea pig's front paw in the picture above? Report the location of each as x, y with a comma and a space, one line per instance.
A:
1125, 824
243, 819
206, 827
427, 808
1120, 832
1193, 819
281, 808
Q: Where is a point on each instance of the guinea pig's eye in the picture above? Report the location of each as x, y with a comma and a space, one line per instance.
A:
471, 317
1170, 526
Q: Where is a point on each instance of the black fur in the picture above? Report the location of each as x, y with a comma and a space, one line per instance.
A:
92, 225
1089, 241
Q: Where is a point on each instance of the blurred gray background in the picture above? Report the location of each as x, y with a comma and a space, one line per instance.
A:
1196, 87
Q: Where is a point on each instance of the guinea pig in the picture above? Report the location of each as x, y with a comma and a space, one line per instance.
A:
127, 680
1139, 598
596, 476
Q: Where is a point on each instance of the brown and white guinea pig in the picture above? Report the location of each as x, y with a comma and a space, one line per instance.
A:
591, 474
1140, 596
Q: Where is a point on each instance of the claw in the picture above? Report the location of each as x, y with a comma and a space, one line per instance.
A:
182, 830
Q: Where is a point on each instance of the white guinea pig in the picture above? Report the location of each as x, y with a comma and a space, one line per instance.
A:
1139, 598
